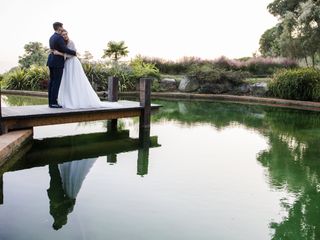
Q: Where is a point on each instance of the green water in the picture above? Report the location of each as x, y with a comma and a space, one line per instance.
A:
213, 171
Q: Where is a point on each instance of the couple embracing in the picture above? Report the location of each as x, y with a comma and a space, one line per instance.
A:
69, 86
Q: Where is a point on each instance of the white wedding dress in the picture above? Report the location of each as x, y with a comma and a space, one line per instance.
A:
75, 89
73, 174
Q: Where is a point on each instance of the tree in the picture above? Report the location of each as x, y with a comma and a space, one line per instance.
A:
298, 30
35, 53
115, 50
269, 43
87, 56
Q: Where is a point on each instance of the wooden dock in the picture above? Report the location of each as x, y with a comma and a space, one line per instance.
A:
23, 117
26, 117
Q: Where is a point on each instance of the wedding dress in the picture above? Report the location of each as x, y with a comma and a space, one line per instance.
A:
73, 174
75, 89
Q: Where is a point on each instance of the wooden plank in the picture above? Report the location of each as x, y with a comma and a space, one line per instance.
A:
11, 143
42, 110
27, 122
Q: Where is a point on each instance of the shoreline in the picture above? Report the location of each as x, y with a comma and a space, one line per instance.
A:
276, 102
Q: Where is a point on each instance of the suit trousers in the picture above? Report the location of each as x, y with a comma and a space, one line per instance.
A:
54, 84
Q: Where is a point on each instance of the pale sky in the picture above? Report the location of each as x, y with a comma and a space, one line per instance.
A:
168, 29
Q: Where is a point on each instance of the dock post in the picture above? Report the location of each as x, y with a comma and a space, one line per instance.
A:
1, 190
145, 102
112, 158
2, 129
144, 127
113, 86
143, 152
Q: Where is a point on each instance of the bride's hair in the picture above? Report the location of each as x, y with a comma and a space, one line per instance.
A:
64, 31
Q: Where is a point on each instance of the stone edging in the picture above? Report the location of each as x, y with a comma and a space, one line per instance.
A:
307, 105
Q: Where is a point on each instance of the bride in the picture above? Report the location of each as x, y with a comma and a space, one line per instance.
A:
75, 90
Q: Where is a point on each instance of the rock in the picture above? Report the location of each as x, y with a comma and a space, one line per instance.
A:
188, 85
259, 89
168, 84
216, 88
242, 89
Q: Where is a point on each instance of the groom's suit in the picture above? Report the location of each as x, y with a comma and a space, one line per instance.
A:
56, 64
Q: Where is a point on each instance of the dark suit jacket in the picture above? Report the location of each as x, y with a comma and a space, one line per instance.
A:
57, 42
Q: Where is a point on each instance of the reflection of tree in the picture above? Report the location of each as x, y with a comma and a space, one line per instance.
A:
13, 100
60, 204
216, 113
292, 159
293, 164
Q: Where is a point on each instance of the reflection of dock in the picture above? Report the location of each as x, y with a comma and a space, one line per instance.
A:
65, 149
67, 159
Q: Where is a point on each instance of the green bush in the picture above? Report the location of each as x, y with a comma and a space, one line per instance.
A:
208, 73
124, 73
298, 84
37, 78
15, 79
142, 69
97, 74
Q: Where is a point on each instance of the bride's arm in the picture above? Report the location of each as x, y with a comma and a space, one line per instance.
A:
71, 46
56, 52
65, 55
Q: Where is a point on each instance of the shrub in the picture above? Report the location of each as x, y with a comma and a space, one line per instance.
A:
97, 74
260, 66
15, 79
208, 73
164, 66
141, 69
228, 64
124, 73
298, 84
37, 78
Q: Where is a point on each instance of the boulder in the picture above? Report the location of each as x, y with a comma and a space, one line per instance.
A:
216, 88
242, 89
259, 89
168, 84
188, 85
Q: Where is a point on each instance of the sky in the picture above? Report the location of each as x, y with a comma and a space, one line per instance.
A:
168, 29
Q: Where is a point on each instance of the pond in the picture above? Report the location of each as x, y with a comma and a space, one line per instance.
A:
214, 170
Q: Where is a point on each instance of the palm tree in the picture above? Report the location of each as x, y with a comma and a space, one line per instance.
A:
115, 50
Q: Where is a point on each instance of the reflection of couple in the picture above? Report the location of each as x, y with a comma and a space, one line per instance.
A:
65, 183
69, 87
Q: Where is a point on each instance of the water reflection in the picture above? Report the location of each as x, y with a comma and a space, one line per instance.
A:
291, 163
15, 100
292, 160
60, 203
70, 159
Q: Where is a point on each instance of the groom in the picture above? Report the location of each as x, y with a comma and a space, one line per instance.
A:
56, 64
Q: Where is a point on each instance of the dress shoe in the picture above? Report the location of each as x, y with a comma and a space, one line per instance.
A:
55, 106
